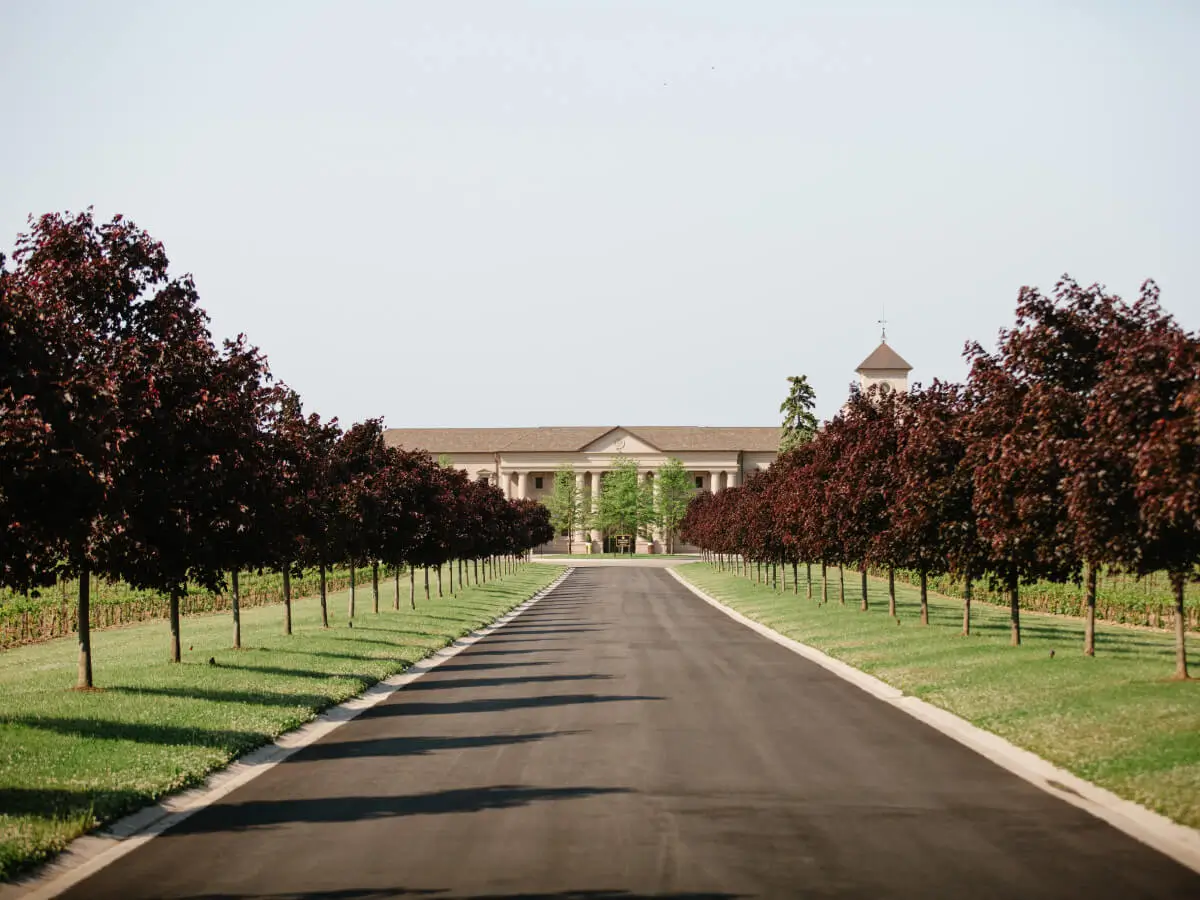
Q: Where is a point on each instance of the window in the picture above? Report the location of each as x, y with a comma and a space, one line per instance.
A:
699, 481
537, 482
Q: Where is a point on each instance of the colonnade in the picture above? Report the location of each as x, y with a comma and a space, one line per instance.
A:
718, 479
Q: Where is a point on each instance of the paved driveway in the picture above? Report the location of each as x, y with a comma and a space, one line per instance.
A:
624, 739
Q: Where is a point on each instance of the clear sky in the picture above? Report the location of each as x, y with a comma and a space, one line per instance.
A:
523, 213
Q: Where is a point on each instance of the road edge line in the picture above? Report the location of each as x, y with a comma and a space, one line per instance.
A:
1179, 842
88, 854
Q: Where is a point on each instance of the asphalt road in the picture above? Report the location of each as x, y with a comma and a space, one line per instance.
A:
624, 739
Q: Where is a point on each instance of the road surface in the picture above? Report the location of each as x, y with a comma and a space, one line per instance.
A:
624, 739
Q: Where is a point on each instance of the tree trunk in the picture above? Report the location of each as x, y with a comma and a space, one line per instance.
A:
1089, 620
173, 616
892, 591
350, 612
924, 597
439, 579
476, 566
1179, 584
287, 598
1014, 599
84, 678
412, 586
966, 629
235, 602
427, 584
841, 584
324, 603
796, 579
397, 606
808, 579
824, 582
863, 572
375, 585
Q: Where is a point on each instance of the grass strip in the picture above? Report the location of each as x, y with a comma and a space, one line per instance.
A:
1114, 719
72, 761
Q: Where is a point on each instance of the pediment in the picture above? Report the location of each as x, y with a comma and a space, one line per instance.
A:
619, 441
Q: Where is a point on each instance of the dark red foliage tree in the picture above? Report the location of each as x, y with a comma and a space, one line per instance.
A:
87, 309
1146, 414
178, 484
933, 517
1011, 435
358, 460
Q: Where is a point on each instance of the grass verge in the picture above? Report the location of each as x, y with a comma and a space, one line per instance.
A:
1113, 719
71, 761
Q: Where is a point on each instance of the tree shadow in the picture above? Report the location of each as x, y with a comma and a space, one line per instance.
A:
611, 895
414, 746
143, 732
222, 696
471, 652
60, 803
487, 666
402, 707
302, 673
434, 684
395, 631
539, 629
384, 893
254, 814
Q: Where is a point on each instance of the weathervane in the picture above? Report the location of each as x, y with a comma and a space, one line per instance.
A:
882, 323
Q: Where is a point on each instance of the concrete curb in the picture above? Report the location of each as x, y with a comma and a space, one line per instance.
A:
1179, 842
89, 854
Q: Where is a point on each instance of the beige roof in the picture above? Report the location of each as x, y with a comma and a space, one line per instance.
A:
559, 439
884, 357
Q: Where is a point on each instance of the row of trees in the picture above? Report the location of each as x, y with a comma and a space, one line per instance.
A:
1074, 446
628, 504
134, 447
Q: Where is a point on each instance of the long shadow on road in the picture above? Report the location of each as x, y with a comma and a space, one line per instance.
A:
384, 893
265, 813
495, 704
416, 745
447, 684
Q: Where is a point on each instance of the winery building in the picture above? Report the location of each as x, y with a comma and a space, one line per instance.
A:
523, 461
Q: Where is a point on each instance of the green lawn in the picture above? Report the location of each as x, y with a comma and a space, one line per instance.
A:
70, 761
1114, 719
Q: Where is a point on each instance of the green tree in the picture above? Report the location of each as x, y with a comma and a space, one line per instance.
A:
799, 422
626, 502
569, 508
673, 492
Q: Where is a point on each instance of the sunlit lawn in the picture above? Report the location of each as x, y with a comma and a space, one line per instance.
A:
71, 760
1114, 719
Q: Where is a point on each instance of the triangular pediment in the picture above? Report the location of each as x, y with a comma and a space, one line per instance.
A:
619, 440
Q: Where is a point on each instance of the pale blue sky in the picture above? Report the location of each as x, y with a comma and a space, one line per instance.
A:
520, 213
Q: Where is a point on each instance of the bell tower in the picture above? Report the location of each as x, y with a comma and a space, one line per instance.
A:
884, 366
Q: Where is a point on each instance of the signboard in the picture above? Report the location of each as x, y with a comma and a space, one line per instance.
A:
623, 542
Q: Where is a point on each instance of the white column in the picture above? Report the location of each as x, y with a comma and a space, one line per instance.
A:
580, 534
647, 478
522, 485
714, 481
735, 478
596, 503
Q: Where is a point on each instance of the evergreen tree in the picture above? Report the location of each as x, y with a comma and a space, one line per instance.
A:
799, 422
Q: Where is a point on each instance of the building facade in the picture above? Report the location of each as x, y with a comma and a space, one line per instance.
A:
522, 462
